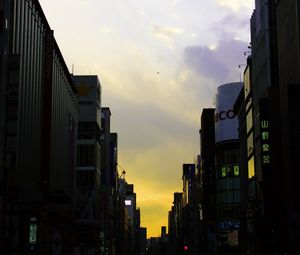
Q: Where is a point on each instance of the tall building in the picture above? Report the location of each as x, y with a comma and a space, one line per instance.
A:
39, 116
130, 202
286, 123
88, 182
207, 181
189, 209
243, 107
143, 240
175, 225
228, 182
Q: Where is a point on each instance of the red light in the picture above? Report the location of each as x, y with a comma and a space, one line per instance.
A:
185, 248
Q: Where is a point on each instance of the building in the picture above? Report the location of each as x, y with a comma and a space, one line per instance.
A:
207, 182
88, 182
228, 182
175, 225
243, 107
190, 209
142, 240
39, 116
286, 121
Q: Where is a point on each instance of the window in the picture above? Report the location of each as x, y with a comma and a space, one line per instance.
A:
85, 178
250, 145
251, 170
249, 120
86, 155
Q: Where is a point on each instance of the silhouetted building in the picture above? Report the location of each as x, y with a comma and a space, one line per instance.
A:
244, 109
286, 121
176, 225
88, 164
106, 190
207, 183
39, 115
189, 209
142, 241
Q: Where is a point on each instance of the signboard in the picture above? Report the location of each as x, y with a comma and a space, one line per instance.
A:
226, 122
32, 233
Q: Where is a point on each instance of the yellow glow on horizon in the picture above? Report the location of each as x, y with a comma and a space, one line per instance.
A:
156, 175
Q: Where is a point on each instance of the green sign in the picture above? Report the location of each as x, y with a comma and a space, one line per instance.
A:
32, 233
265, 146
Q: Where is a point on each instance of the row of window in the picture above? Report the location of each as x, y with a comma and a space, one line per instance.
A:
229, 197
228, 184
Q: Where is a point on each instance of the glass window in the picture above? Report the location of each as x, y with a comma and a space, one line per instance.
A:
224, 197
236, 183
237, 197
251, 169
230, 197
250, 145
249, 120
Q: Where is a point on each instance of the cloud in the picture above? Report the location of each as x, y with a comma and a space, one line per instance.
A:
236, 5
232, 25
218, 63
204, 61
165, 33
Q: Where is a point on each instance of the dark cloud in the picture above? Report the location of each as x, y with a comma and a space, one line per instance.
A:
219, 64
204, 61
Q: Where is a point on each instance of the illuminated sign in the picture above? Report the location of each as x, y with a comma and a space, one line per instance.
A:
229, 224
32, 233
265, 146
233, 170
264, 133
127, 202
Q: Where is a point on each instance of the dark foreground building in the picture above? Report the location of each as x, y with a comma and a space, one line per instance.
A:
39, 116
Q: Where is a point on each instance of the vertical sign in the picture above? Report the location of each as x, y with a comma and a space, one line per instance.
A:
264, 133
32, 233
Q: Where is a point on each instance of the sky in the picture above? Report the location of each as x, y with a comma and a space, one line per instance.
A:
159, 63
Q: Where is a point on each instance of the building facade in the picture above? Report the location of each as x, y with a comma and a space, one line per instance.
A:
227, 165
88, 180
39, 116
207, 182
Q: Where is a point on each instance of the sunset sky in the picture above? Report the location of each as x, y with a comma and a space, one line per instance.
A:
159, 63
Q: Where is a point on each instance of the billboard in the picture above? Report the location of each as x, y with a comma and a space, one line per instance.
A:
226, 122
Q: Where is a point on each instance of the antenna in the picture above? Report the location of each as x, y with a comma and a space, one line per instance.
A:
123, 172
